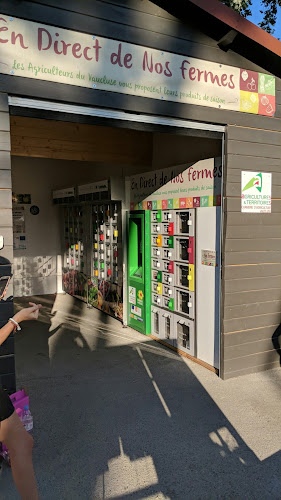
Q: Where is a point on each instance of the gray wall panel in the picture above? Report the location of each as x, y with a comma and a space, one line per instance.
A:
246, 362
253, 149
251, 284
252, 271
252, 135
238, 324
253, 309
241, 370
5, 159
5, 179
241, 162
249, 336
252, 257
5, 198
4, 121
252, 297
5, 144
249, 349
257, 257
246, 219
254, 232
262, 244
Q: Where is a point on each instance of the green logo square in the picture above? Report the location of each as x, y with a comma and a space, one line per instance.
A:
170, 204
266, 84
204, 201
154, 205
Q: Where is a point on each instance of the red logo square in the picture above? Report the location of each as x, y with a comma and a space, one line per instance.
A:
266, 105
249, 81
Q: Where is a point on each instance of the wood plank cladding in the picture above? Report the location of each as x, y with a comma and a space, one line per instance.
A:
34, 137
251, 256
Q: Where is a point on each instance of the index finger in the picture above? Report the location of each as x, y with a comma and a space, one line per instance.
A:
35, 305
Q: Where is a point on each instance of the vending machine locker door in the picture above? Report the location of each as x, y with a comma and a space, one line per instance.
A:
168, 291
167, 327
167, 241
185, 334
156, 287
167, 216
184, 249
156, 216
162, 325
156, 252
184, 302
156, 264
168, 266
155, 228
168, 279
168, 303
184, 222
157, 299
156, 275
155, 321
139, 271
184, 276
168, 228
168, 253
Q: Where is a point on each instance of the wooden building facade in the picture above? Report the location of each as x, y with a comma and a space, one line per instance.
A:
203, 29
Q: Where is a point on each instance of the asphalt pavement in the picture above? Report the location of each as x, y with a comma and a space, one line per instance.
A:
117, 416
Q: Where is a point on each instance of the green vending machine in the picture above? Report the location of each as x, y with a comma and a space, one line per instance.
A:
139, 271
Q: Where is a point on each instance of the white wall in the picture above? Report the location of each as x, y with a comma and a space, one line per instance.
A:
37, 270
207, 285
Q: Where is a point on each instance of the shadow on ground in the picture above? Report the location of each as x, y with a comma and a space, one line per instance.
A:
118, 416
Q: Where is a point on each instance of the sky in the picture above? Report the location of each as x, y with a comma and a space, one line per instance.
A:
257, 17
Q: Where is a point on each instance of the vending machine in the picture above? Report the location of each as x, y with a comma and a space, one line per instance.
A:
172, 273
139, 269
92, 250
106, 274
183, 204
74, 279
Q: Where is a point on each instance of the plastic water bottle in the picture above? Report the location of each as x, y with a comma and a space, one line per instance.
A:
27, 419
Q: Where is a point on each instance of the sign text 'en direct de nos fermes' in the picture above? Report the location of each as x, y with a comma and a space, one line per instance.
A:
44, 52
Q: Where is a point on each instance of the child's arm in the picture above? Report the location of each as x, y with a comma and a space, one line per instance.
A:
25, 314
5, 331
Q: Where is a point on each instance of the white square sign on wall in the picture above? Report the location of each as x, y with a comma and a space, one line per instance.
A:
256, 192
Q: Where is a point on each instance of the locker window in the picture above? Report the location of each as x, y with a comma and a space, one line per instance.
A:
183, 335
167, 327
183, 222
183, 249
156, 323
184, 300
184, 275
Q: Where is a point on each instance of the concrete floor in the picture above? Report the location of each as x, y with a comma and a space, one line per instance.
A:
118, 416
